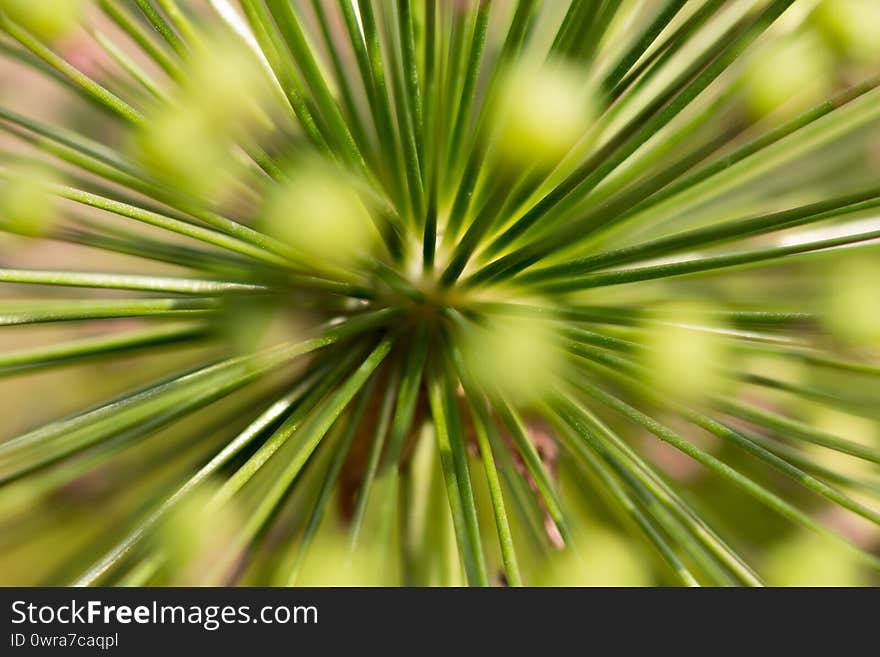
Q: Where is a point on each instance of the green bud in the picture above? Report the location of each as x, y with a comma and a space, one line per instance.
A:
605, 559
853, 312
329, 562
180, 147
540, 114
319, 213
788, 76
47, 19
808, 560
682, 358
517, 358
197, 539
852, 27
27, 206
225, 84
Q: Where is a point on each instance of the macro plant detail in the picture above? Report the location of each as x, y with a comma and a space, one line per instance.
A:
425, 292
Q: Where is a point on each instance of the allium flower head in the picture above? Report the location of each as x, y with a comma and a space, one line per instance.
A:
434, 293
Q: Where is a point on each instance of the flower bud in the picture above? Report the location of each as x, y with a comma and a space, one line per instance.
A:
180, 148
606, 559
540, 115
319, 213
27, 205
853, 311
789, 76
46, 19
852, 27
197, 539
517, 358
808, 560
683, 358
225, 85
